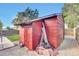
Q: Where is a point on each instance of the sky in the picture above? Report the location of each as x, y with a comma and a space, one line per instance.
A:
8, 11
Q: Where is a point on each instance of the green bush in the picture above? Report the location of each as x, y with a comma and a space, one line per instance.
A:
13, 37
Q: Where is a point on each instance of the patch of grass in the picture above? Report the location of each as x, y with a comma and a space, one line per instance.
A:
13, 37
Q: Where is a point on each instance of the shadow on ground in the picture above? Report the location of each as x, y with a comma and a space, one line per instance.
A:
68, 43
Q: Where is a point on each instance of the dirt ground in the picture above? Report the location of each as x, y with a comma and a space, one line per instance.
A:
69, 47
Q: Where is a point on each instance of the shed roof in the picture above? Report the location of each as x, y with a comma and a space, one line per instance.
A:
40, 18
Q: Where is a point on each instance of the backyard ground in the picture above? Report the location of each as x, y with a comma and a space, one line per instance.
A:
69, 47
14, 37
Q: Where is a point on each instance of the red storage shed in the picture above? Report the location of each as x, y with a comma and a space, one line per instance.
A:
54, 26
30, 33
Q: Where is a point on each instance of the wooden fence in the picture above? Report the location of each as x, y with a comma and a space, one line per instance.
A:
69, 32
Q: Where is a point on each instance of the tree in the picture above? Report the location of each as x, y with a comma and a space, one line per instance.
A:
23, 16
8, 28
71, 14
1, 25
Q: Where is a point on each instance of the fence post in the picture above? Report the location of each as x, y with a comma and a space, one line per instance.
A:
1, 40
74, 32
